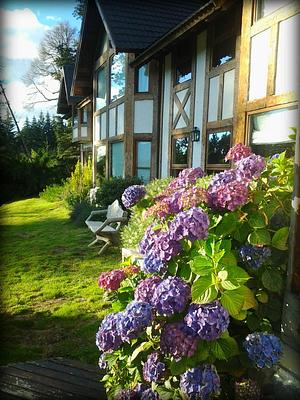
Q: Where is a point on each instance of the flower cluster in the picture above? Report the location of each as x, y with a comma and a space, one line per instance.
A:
251, 167
227, 196
186, 177
131, 270
111, 280
254, 256
237, 152
178, 340
171, 296
132, 195
135, 319
102, 362
201, 382
126, 394
192, 197
263, 349
192, 224
108, 337
153, 265
208, 321
153, 369
140, 392
145, 289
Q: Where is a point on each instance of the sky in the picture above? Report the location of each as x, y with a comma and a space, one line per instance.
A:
23, 25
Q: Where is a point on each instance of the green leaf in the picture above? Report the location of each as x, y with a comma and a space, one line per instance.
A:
224, 348
202, 290
257, 220
259, 237
222, 275
252, 322
217, 256
228, 259
242, 232
272, 280
262, 296
142, 347
202, 261
237, 273
201, 265
227, 225
233, 301
249, 299
258, 196
279, 240
229, 285
240, 316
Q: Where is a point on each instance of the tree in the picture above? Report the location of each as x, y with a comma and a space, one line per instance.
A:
79, 9
57, 48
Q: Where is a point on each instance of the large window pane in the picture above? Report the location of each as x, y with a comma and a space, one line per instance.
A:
223, 52
103, 126
218, 146
101, 162
269, 132
143, 160
214, 84
101, 88
266, 7
117, 76
143, 79
180, 150
183, 62
117, 159
228, 94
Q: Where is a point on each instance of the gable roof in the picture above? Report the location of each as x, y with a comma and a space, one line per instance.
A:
134, 25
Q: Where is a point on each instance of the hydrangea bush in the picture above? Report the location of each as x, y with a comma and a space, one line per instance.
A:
203, 301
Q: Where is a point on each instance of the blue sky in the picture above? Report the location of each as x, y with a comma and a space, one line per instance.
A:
22, 26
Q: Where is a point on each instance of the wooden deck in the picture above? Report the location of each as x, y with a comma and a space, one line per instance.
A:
55, 378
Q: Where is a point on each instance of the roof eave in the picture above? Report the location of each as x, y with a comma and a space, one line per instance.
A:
199, 16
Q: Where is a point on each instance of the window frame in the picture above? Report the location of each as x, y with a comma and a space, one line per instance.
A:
180, 167
217, 167
110, 146
136, 167
136, 81
118, 99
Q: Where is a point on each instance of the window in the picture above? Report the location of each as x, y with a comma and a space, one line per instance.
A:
143, 160
269, 131
75, 119
266, 7
180, 154
223, 52
183, 63
117, 159
101, 161
143, 79
218, 144
84, 115
117, 76
101, 88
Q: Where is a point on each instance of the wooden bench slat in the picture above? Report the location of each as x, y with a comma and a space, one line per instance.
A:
76, 364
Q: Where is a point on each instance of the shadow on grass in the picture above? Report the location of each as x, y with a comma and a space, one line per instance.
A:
42, 335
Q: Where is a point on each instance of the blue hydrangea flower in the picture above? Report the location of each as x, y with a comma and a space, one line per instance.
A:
149, 395
132, 195
263, 349
254, 256
153, 369
208, 321
192, 224
153, 265
108, 337
145, 289
171, 296
135, 319
178, 340
200, 383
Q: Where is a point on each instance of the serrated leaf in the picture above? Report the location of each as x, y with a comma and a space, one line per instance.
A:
238, 274
230, 285
259, 237
272, 280
241, 233
279, 240
240, 316
201, 265
262, 296
142, 347
227, 225
209, 295
228, 259
233, 301
249, 299
257, 220
224, 348
200, 286
222, 275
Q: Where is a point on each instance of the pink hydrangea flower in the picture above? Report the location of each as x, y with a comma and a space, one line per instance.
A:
237, 152
111, 280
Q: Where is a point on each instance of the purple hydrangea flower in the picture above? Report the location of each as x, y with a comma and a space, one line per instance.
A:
201, 382
171, 296
192, 224
135, 319
102, 362
208, 321
227, 196
237, 152
140, 388
111, 280
132, 195
153, 265
263, 349
149, 394
145, 289
126, 394
153, 369
251, 167
148, 241
178, 340
254, 256
192, 197
225, 177
186, 177
108, 337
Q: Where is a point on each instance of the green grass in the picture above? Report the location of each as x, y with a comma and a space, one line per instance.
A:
50, 302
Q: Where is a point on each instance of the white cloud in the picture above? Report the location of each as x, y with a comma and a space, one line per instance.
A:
53, 18
19, 46
18, 20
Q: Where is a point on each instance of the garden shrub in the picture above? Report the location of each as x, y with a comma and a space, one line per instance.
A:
80, 211
52, 193
199, 315
112, 189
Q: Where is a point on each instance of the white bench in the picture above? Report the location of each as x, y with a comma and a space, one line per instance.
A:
107, 231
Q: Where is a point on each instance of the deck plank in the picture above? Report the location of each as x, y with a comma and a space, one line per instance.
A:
55, 378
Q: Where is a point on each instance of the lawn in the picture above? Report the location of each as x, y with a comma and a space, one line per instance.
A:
50, 302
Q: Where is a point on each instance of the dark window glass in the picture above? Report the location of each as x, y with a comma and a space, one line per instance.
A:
183, 62
101, 162
218, 146
223, 52
117, 76
143, 160
143, 79
183, 71
180, 151
101, 88
117, 159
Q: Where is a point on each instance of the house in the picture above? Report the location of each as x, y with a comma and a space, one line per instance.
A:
169, 84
